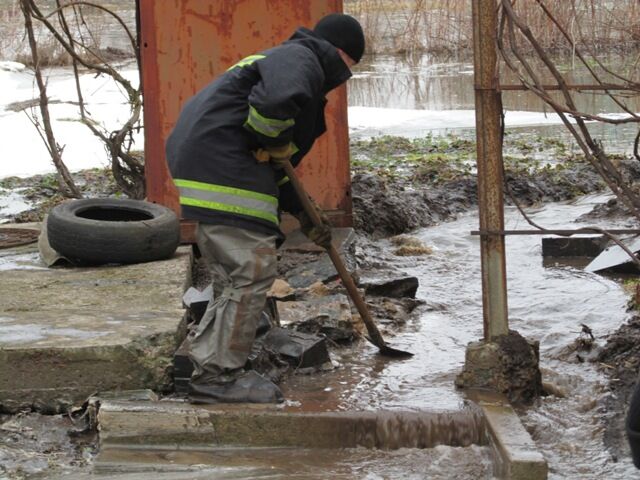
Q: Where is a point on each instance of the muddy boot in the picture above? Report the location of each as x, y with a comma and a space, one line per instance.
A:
250, 387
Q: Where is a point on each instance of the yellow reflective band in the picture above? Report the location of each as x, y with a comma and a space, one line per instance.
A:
246, 61
269, 127
282, 181
210, 187
193, 202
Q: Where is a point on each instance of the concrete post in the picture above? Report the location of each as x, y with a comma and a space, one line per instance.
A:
490, 170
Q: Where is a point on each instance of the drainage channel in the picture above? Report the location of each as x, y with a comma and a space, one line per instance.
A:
186, 441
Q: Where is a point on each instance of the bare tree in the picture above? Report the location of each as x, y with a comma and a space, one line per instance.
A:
67, 185
127, 167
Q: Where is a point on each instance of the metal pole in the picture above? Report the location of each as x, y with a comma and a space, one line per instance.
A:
490, 169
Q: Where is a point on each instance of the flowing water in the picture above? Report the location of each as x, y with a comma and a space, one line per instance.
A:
546, 303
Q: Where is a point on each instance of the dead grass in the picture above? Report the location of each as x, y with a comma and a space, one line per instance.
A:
409, 246
445, 25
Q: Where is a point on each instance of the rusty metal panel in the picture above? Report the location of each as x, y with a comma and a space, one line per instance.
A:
186, 43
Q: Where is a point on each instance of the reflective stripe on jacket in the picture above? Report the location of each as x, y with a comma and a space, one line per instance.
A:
228, 199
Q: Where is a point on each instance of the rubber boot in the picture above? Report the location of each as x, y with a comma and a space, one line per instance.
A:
250, 387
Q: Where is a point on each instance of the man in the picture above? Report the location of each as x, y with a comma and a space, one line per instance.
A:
225, 155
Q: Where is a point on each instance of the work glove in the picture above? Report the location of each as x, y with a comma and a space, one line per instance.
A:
320, 235
277, 156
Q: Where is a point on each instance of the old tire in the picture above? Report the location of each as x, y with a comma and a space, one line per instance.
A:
108, 230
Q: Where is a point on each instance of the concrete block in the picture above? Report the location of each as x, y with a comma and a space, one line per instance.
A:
301, 350
516, 455
573, 246
183, 425
67, 333
403, 287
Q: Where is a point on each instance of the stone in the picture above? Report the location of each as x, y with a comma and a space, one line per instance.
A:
281, 290
196, 301
324, 325
299, 349
335, 306
509, 365
403, 287
305, 275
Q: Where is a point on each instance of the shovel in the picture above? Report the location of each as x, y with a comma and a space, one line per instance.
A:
374, 334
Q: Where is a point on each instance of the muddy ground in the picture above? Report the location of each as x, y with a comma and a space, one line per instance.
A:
398, 185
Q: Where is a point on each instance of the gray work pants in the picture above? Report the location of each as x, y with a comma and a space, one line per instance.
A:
243, 267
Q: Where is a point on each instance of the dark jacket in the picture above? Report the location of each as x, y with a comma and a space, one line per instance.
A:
269, 99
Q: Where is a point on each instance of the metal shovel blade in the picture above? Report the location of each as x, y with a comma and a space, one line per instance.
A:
374, 334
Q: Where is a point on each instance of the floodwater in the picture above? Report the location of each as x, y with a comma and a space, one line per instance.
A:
546, 303
445, 84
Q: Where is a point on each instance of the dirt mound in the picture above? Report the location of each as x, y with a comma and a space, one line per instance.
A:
620, 359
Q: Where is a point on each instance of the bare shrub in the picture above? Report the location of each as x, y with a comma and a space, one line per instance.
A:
445, 25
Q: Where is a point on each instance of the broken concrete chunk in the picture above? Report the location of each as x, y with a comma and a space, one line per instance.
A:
299, 349
336, 307
305, 275
405, 287
573, 246
196, 301
281, 290
336, 331
267, 362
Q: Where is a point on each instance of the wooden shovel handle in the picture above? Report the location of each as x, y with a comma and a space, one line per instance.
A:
345, 276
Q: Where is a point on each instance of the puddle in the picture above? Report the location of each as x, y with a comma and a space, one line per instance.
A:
18, 334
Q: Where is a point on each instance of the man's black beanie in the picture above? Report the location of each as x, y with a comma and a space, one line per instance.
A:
344, 32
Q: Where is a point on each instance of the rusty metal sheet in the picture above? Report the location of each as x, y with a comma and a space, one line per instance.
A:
186, 43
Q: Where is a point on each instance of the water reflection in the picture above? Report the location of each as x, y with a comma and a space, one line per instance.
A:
437, 83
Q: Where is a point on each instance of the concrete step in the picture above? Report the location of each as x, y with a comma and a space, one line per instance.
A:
148, 436
181, 424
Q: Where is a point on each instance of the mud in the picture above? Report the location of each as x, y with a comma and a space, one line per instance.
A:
39, 446
620, 360
400, 185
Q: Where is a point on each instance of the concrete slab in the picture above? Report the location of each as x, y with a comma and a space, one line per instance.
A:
67, 333
182, 425
516, 456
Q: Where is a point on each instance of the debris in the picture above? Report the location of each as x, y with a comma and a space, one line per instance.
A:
410, 246
281, 290
336, 331
573, 246
615, 258
335, 306
404, 287
301, 350
196, 301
